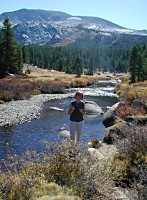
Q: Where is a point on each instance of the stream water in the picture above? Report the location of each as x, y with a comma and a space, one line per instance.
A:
31, 135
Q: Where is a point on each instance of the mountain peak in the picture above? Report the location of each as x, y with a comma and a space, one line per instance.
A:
25, 15
52, 27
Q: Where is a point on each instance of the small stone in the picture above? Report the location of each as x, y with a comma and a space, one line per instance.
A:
64, 133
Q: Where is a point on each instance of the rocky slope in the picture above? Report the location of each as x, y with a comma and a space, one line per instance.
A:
56, 28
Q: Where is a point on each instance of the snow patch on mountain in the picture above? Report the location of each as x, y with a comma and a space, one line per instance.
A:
114, 30
74, 18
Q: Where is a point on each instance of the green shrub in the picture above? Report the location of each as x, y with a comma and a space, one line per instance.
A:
28, 71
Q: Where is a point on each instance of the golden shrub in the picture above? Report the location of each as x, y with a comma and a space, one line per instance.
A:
2, 102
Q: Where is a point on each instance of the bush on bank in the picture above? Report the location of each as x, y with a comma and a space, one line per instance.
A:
131, 92
68, 165
130, 165
68, 170
19, 89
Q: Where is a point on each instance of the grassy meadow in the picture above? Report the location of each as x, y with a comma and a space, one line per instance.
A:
42, 81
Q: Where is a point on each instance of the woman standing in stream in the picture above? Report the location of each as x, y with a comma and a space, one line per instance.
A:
76, 112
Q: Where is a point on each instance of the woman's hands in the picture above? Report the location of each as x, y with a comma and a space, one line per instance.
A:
71, 109
82, 111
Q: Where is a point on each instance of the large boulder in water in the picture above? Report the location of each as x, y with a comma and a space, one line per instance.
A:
111, 115
92, 108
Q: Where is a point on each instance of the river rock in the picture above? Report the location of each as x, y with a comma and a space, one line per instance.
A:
64, 133
56, 108
114, 132
95, 153
111, 116
92, 108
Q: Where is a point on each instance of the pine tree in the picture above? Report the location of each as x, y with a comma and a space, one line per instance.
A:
67, 66
2, 68
9, 47
133, 62
139, 63
19, 57
26, 57
60, 65
136, 64
91, 67
145, 62
78, 66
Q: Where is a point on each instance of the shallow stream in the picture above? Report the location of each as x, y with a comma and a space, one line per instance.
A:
31, 135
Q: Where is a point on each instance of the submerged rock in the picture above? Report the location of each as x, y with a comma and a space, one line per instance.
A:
64, 133
56, 108
92, 108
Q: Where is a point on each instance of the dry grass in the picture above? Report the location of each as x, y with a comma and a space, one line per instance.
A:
136, 91
63, 79
43, 74
19, 89
2, 102
42, 81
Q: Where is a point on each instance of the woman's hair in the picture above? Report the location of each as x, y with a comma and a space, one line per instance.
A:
79, 93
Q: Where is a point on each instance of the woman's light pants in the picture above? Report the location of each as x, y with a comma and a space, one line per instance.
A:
76, 130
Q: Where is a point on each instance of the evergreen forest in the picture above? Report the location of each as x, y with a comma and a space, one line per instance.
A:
73, 59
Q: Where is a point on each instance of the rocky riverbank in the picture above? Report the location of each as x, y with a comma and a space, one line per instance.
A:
121, 116
18, 112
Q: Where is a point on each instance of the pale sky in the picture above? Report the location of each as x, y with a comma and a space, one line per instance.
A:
126, 13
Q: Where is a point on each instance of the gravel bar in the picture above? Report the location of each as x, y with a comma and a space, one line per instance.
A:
18, 112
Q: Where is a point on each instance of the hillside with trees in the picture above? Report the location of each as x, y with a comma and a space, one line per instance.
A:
72, 59
94, 58
67, 170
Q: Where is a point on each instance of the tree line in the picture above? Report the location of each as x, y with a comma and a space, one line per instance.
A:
74, 58
93, 58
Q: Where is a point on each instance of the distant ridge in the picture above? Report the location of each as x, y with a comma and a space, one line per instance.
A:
58, 28
25, 15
